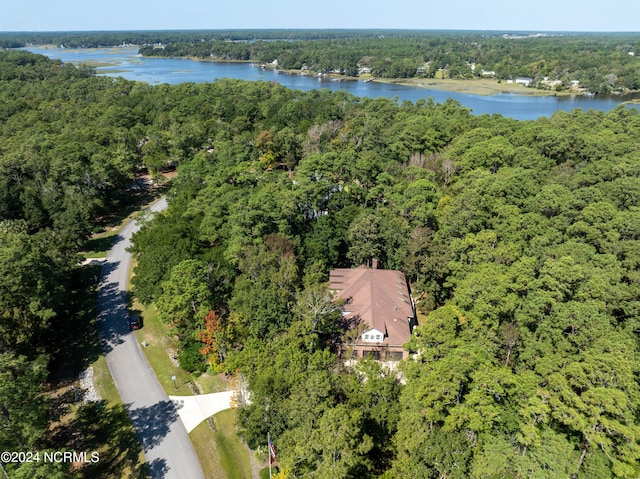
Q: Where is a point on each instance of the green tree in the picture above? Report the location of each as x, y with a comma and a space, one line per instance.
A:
264, 291
317, 308
31, 290
186, 297
23, 404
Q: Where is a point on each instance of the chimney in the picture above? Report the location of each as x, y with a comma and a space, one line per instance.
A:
374, 264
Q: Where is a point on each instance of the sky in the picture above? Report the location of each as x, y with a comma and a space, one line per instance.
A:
501, 15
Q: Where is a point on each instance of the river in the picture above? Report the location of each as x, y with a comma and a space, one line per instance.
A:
125, 62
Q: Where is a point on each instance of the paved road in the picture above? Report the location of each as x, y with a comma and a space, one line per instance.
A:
165, 442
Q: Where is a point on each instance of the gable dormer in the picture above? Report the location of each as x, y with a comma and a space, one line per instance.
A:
372, 336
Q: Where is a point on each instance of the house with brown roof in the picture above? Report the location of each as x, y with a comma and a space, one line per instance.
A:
378, 309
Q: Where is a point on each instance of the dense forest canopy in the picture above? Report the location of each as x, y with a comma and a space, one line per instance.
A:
517, 237
521, 241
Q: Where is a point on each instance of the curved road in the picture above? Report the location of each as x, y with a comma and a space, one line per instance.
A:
165, 442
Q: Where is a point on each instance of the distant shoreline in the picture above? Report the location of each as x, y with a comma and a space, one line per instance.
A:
475, 86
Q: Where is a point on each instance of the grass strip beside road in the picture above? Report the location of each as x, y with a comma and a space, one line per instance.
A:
99, 245
155, 335
156, 343
108, 429
100, 242
221, 453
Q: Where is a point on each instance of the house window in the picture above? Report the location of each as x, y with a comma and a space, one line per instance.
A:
371, 354
378, 337
366, 337
349, 354
393, 355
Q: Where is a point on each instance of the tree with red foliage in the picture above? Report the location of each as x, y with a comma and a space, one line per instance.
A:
212, 337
